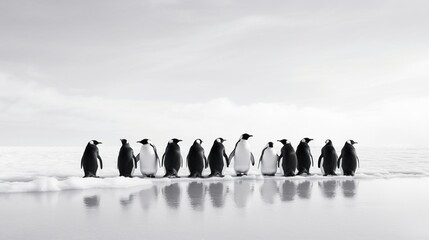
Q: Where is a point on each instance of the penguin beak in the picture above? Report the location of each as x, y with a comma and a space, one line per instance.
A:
279, 140
179, 140
99, 142
310, 139
139, 141
355, 143
250, 135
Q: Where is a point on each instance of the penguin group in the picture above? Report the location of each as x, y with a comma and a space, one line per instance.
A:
292, 162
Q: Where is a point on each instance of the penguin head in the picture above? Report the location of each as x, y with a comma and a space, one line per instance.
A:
221, 140
246, 136
144, 141
270, 144
198, 141
175, 140
124, 141
328, 141
351, 142
95, 142
283, 141
307, 140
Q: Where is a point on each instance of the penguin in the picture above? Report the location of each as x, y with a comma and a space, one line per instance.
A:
216, 156
126, 160
196, 159
148, 158
242, 155
303, 154
269, 160
348, 160
289, 158
172, 158
89, 159
328, 159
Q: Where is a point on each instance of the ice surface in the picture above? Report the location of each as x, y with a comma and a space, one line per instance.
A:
33, 169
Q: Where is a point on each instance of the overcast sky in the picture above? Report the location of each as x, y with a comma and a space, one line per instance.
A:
72, 71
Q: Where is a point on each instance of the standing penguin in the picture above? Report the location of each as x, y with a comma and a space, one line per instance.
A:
289, 158
242, 155
216, 156
348, 160
196, 159
172, 158
328, 159
89, 159
269, 160
148, 158
303, 154
126, 160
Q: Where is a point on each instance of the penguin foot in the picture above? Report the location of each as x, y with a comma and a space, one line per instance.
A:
269, 175
216, 174
289, 175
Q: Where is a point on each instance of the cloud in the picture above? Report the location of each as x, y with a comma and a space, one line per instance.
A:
35, 114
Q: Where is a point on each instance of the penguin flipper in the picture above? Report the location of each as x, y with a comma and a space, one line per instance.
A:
252, 159
101, 161
163, 157
278, 161
231, 155
262, 154
181, 161
156, 154
226, 158
338, 162
358, 161
320, 159
135, 161
233, 151
206, 163
312, 162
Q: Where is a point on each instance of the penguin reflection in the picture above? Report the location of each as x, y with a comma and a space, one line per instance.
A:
217, 193
196, 194
91, 201
148, 196
172, 195
349, 188
304, 189
125, 202
288, 191
329, 188
242, 191
269, 191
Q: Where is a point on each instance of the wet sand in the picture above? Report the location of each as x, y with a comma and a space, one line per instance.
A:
234, 209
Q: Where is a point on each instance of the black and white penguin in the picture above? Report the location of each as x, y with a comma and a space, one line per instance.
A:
127, 162
348, 161
303, 154
172, 158
328, 159
289, 158
216, 156
242, 155
89, 159
196, 159
269, 160
148, 157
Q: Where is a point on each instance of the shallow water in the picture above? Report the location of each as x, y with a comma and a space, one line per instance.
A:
270, 208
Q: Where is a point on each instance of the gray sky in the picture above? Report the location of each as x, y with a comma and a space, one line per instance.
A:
71, 71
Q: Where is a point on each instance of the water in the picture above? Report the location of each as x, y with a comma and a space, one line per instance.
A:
267, 208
